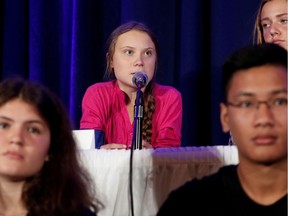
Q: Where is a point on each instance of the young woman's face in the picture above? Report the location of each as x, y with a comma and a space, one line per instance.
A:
24, 140
274, 22
134, 52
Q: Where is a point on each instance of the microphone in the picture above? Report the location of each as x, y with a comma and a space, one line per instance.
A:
140, 79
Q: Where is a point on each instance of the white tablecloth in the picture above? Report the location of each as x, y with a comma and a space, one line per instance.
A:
155, 174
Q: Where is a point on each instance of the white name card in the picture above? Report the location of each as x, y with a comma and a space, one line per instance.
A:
85, 139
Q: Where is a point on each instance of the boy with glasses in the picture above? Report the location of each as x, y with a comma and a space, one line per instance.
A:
254, 111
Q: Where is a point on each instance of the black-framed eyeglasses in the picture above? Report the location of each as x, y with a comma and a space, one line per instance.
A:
253, 104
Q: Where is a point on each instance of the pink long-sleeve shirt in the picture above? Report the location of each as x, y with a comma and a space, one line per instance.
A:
104, 109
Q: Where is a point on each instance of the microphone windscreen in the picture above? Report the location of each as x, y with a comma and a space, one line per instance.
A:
140, 79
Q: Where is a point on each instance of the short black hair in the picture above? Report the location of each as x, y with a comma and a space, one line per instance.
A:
251, 56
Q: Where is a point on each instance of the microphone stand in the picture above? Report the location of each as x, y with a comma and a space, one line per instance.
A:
138, 117
137, 138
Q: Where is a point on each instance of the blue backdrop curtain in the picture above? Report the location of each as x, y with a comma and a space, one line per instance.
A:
61, 44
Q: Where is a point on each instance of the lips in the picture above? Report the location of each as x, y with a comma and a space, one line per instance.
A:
135, 72
264, 140
13, 155
278, 41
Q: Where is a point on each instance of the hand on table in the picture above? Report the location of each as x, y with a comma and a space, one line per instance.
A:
113, 146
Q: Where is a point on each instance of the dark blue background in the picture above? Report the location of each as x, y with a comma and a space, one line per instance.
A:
61, 43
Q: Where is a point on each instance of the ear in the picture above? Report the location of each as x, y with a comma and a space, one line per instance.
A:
224, 118
47, 158
109, 61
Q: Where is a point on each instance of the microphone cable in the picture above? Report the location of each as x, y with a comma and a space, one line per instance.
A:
133, 146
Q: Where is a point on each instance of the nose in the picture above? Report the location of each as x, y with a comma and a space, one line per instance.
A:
138, 60
264, 115
16, 136
274, 30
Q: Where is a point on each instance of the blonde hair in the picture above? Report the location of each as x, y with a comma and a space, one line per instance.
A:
258, 30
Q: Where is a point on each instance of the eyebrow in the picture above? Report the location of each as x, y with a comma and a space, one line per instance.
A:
130, 47
126, 47
280, 91
150, 48
248, 94
5, 118
278, 16
29, 121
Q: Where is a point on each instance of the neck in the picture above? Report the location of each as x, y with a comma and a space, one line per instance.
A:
265, 184
22, 213
11, 203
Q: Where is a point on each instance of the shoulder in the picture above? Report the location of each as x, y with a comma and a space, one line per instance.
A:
101, 89
101, 86
165, 90
213, 183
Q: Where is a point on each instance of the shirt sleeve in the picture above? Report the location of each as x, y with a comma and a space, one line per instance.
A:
168, 120
92, 110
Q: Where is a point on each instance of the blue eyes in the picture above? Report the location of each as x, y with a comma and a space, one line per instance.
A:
3, 125
131, 52
267, 24
128, 52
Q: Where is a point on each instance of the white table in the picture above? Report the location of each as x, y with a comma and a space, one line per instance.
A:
155, 174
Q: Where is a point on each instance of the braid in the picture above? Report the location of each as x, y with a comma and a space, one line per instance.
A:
148, 113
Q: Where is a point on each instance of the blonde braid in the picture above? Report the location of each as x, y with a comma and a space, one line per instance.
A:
148, 113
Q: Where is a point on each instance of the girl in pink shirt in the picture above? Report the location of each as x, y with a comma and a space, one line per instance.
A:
108, 107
